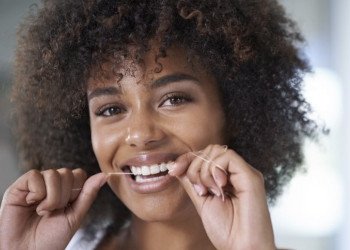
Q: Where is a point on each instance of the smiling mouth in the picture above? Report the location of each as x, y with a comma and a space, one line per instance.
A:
148, 173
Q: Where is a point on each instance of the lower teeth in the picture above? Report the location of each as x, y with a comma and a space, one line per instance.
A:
140, 179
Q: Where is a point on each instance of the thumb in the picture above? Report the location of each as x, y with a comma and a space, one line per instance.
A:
88, 194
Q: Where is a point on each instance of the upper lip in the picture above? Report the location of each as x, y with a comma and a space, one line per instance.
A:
148, 159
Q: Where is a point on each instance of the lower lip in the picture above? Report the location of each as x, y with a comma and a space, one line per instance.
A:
153, 186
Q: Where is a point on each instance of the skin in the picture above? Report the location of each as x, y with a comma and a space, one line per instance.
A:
141, 120
147, 123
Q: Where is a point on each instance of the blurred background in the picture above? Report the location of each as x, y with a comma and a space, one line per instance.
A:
314, 211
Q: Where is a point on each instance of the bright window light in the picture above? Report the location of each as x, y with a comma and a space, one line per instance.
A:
312, 205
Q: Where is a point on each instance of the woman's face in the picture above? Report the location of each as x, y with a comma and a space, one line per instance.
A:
147, 120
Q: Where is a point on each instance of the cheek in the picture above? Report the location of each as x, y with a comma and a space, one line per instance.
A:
197, 131
105, 143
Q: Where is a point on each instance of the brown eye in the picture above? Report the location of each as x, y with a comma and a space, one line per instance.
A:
110, 111
175, 100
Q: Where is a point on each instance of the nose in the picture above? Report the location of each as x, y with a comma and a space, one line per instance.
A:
143, 131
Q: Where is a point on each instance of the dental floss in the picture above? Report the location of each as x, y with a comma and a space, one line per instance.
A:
210, 161
225, 147
116, 173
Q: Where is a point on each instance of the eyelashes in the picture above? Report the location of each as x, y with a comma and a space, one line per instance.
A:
109, 110
175, 99
168, 101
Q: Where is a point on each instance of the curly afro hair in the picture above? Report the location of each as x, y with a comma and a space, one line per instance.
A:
250, 46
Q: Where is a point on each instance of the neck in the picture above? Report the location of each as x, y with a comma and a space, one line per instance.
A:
182, 233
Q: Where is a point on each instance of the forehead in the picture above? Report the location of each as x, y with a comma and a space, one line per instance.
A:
148, 70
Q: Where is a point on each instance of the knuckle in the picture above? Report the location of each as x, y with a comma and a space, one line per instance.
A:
192, 176
50, 173
33, 173
258, 176
231, 152
64, 171
80, 172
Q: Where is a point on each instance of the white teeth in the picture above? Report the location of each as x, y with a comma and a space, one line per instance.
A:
149, 170
154, 169
140, 179
145, 170
133, 170
163, 167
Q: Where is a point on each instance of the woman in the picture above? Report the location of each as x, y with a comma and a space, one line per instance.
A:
145, 96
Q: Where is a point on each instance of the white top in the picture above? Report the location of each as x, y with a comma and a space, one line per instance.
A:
78, 242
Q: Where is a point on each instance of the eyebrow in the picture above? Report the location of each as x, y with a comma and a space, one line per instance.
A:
176, 77
103, 91
160, 82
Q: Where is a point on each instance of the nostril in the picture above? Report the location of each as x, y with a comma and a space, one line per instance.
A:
143, 135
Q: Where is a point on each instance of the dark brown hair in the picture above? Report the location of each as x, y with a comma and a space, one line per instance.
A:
249, 46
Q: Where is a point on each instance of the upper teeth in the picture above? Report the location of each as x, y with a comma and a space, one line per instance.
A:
148, 170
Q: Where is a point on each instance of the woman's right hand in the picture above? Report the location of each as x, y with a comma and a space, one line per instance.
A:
43, 210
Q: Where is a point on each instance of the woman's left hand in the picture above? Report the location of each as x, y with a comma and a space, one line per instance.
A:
229, 196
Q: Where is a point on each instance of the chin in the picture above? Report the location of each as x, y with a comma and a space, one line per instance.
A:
162, 208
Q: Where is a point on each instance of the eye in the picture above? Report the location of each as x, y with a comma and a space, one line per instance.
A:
109, 111
175, 99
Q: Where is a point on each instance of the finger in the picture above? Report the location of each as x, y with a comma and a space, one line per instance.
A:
181, 164
79, 208
53, 192
220, 177
206, 156
67, 180
207, 173
194, 170
238, 164
26, 190
36, 187
196, 192
218, 171
242, 176
200, 189
207, 180
80, 177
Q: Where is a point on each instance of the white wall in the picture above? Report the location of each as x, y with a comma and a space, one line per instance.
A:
340, 33
314, 211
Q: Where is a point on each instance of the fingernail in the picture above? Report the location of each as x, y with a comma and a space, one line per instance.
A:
217, 180
215, 192
42, 212
199, 189
30, 202
223, 197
